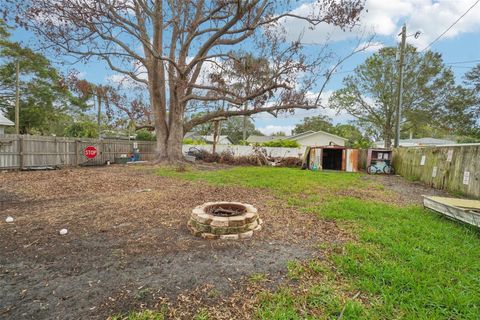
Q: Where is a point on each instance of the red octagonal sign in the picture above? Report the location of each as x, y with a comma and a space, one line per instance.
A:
90, 152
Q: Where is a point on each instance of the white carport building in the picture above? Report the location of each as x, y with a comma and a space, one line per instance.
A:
4, 122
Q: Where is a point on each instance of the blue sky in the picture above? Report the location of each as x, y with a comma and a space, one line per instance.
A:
382, 18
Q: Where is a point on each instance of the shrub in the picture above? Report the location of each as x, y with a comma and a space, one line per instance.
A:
144, 135
281, 144
243, 143
83, 129
194, 141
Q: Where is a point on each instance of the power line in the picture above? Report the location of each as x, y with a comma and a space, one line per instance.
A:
451, 26
463, 67
460, 62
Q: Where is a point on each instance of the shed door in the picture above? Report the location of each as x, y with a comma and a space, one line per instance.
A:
315, 158
352, 160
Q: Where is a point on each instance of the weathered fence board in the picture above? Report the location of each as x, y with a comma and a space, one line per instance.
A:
24, 151
452, 168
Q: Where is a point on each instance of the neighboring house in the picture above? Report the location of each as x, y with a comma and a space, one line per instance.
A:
4, 122
417, 142
208, 138
305, 139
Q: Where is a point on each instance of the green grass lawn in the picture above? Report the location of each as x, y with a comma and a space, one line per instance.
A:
407, 263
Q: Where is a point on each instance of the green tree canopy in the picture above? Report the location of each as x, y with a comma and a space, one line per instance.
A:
45, 99
356, 138
232, 127
314, 123
430, 94
472, 78
351, 132
85, 128
472, 81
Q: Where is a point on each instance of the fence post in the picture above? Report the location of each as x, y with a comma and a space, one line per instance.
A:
77, 153
20, 151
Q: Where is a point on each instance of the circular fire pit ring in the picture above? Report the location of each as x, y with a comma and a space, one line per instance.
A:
224, 220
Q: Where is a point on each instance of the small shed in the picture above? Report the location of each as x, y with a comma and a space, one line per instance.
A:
4, 122
331, 158
380, 158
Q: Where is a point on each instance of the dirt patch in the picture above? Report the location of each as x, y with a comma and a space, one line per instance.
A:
404, 192
128, 245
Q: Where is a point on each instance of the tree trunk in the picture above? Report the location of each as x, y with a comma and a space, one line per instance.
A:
387, 138
161, 150
157, 100
175, 142
175, 133
169, 146
161, 133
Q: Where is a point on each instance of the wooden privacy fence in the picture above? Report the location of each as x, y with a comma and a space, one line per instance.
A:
25, 151
452, 168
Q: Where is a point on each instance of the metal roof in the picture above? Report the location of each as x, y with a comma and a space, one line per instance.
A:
259, 139
5, 122
209, 138
255, 139
422, 141
311, 133
206, 138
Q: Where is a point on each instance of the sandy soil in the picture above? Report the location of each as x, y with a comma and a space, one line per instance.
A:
128, 247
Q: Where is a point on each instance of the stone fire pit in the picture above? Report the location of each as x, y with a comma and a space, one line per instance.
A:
224, 220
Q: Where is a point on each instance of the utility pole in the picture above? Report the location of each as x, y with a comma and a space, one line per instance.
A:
400, 85
244, 135
99, 109
216, 131
17, 99
215, 135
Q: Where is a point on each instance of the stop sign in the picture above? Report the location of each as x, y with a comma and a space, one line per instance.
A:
90, 152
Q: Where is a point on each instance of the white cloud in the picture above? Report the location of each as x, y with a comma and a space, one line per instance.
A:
384, 18
370, 46
379, 16
433, 18
268, 130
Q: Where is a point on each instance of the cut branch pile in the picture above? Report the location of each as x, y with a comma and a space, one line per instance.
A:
258, 158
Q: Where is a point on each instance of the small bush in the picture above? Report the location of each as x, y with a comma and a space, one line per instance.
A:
243, 143
83, 129
194, 141
281, 144
144, 135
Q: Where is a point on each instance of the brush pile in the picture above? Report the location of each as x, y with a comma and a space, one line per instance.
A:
258, 158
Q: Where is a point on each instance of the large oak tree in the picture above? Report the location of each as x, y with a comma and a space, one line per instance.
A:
183, 52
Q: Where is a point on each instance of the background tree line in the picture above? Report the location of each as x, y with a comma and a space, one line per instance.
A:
52, 103
434, 105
